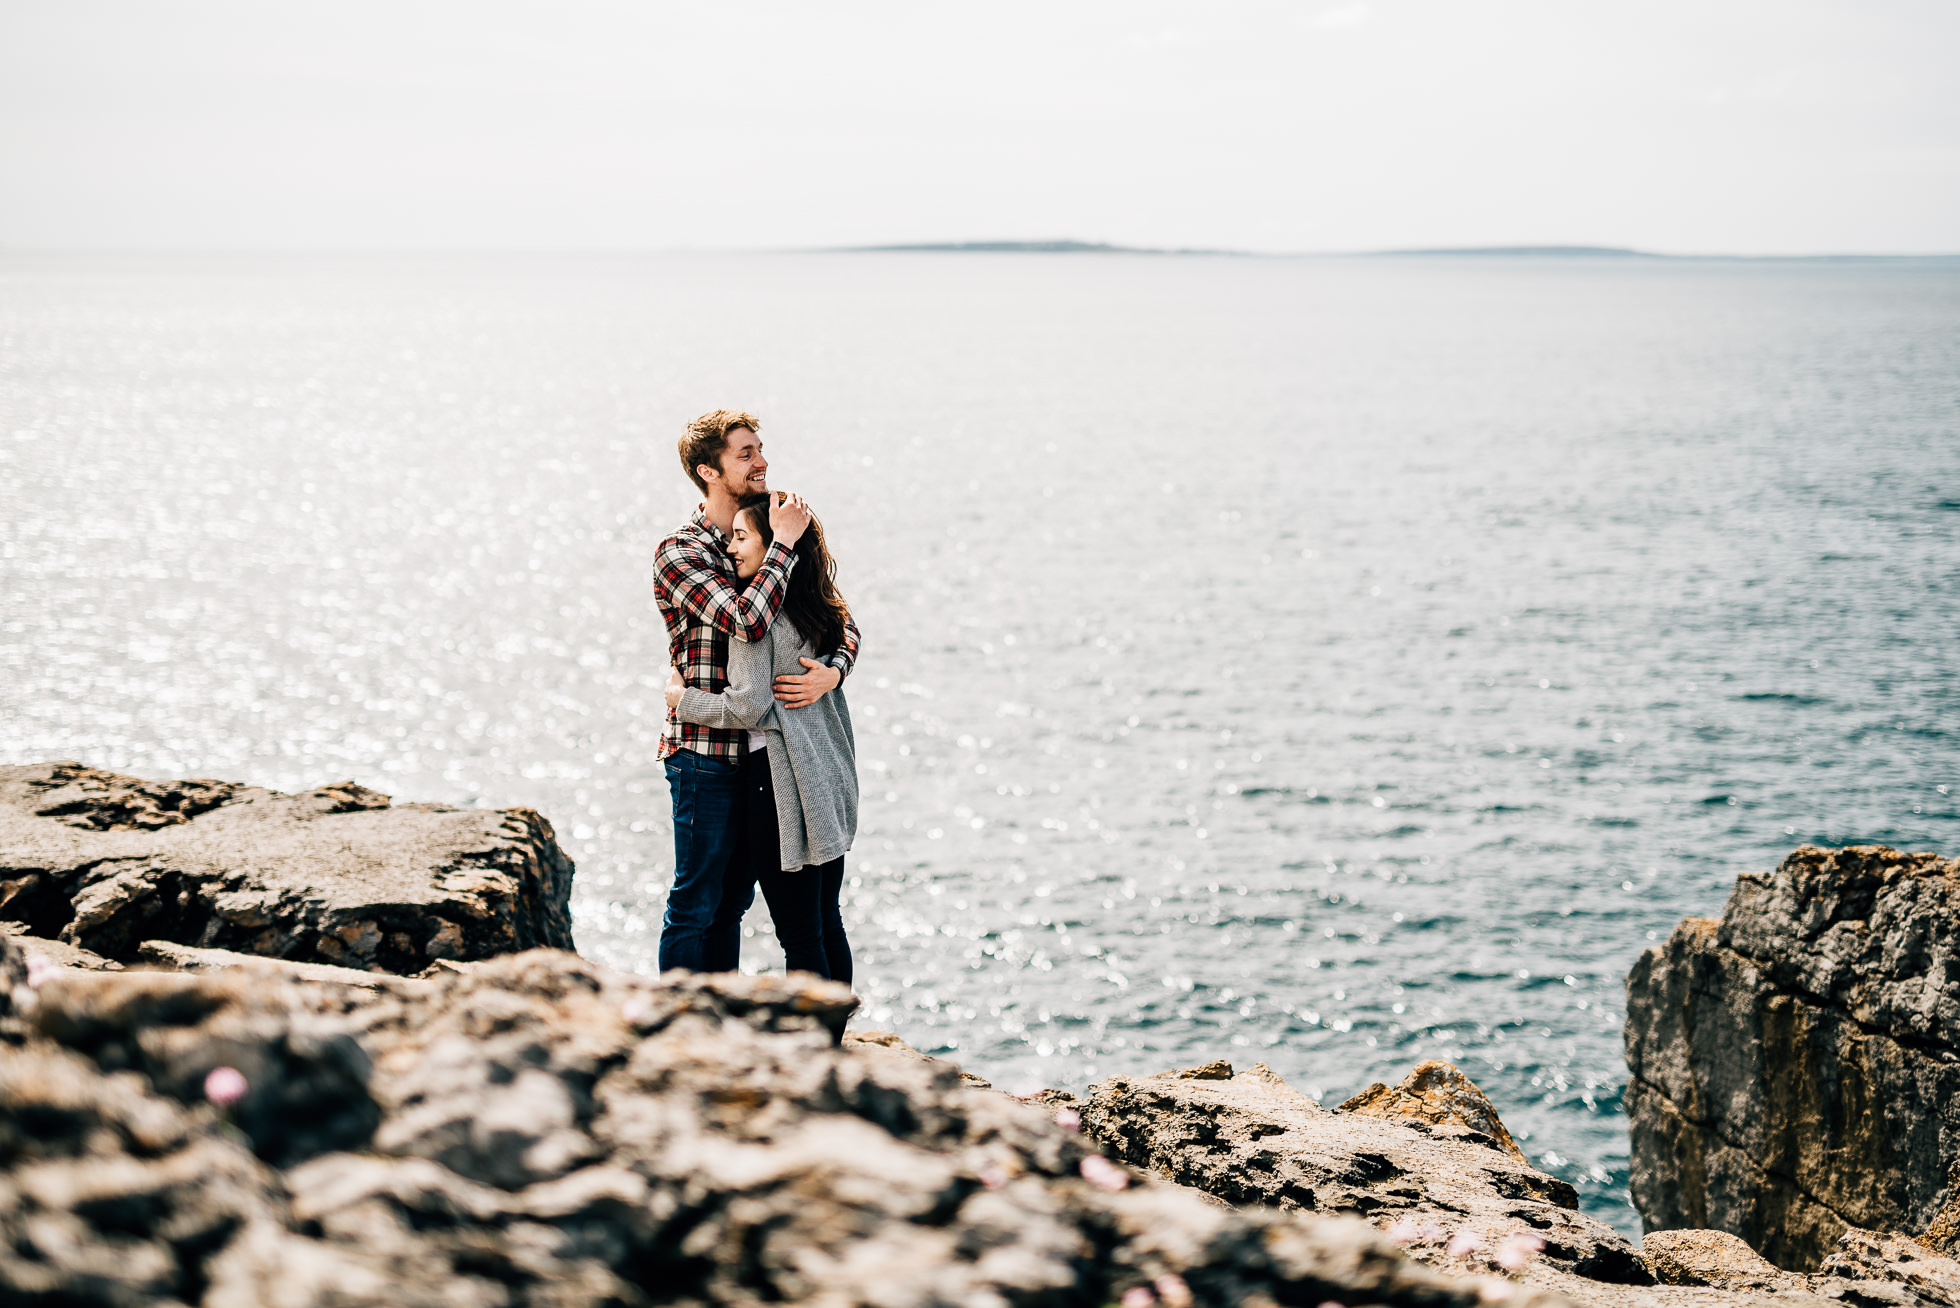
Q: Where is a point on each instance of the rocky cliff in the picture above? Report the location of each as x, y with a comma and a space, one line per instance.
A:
1796, 1063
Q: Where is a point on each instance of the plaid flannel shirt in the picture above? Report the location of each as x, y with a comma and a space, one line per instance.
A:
703, 605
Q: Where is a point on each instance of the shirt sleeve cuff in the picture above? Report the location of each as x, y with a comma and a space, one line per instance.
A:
780, 553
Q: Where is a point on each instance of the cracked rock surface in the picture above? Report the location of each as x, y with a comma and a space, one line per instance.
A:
535, 1130
1250, 1138
1796, 1063
103, 863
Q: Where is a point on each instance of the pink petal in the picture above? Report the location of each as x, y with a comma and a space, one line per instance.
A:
225, 1086
1103, 1174
1518, 1249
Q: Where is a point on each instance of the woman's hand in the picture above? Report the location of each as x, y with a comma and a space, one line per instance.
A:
674, 687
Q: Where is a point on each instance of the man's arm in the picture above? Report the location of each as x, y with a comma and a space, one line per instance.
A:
845, 658
696, 587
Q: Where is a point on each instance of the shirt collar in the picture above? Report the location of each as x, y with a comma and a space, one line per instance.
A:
707, 527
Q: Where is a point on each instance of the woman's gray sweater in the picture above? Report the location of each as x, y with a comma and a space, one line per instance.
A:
812, 754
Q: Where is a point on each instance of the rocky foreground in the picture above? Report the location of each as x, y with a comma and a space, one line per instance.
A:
223, 1113
537, 1130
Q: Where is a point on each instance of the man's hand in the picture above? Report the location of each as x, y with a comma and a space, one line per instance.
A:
787, 519
800, 690
674, 687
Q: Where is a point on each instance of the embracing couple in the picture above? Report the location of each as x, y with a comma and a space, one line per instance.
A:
759, 753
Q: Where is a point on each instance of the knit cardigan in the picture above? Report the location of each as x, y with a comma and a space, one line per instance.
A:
812, 753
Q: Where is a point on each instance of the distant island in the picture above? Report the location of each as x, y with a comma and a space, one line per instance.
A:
1532, 251
1450, 252
1025, 247
1104, 247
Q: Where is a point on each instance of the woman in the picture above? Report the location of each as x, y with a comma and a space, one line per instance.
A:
799, 779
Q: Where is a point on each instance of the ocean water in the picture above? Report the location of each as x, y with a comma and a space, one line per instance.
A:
1334, 663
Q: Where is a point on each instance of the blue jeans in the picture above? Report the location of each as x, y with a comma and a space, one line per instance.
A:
803, 903
705, 792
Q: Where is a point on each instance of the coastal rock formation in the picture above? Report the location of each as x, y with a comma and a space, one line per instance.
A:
339, 875
1454, 1197
1796, 1064
1250, 1138
1883, 1271
536, 1130
1447, 1102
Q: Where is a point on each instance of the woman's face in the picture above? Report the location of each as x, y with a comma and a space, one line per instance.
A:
745, 543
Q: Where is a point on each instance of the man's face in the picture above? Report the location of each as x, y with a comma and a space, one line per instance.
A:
743, 469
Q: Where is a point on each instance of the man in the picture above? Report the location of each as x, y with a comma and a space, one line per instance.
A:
704, 607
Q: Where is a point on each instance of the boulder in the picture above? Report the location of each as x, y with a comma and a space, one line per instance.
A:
536, 1130
1445, 1100
1712, 1258
1795, 1065
340, 875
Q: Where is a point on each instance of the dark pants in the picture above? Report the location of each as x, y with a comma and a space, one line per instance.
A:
704, 791
803, 903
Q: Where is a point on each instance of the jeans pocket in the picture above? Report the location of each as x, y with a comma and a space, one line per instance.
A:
680, 785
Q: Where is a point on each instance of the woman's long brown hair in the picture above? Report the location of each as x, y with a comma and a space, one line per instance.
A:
812, 604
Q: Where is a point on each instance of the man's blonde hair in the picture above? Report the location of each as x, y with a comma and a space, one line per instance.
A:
707, 436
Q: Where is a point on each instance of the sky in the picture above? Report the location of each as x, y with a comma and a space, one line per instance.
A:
1690, 126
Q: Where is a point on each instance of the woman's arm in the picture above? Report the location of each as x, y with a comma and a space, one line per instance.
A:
687, 580
747, 700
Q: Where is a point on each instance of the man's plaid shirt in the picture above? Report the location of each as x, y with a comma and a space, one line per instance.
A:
703, 605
